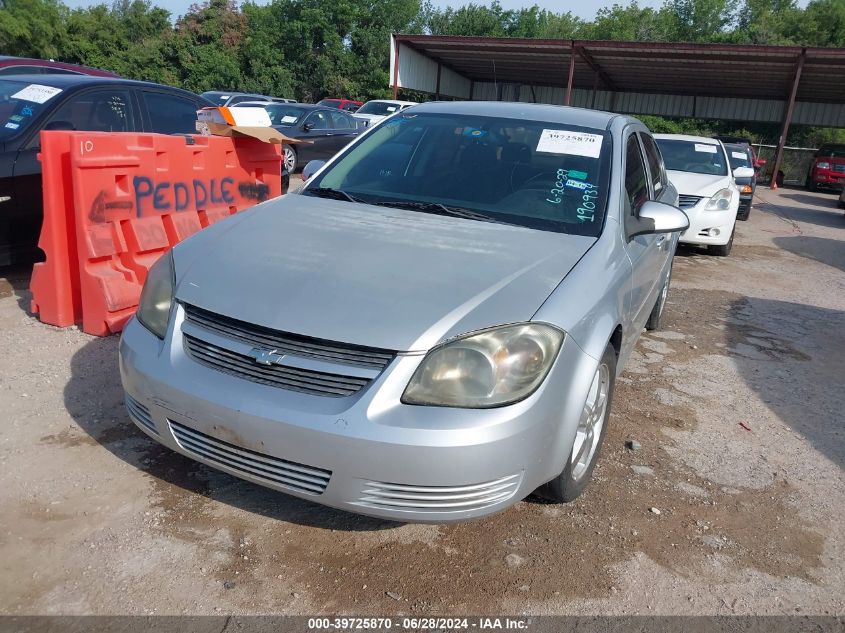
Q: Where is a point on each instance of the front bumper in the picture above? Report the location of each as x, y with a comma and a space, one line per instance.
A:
832, 179
702, 223
367, 453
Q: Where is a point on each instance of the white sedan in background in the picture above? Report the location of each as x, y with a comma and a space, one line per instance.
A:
700, 170
379, 109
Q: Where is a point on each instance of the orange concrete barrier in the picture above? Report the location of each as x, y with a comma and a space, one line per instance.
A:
136, 195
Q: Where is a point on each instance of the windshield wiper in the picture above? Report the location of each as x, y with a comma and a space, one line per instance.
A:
334, 194
437, 208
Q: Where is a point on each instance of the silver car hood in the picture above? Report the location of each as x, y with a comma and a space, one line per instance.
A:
375, 276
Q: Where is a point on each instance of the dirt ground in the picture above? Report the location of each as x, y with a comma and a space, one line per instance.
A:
738, 405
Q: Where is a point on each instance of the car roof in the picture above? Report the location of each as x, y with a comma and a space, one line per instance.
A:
687, 137
527, 111
70, 81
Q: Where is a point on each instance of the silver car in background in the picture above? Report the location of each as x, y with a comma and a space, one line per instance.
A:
431, 329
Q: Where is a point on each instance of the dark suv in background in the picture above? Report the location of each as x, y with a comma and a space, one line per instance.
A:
827, 168
31, 103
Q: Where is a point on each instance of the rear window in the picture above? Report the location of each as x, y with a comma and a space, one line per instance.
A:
285, 114
696, 157
831, 151
541, 175
21, 103
379, 108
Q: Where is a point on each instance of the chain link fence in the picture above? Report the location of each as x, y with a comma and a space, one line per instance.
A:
795, 163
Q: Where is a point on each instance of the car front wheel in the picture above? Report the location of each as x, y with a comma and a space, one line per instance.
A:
657, 311
290, 159
723, 250
592, 425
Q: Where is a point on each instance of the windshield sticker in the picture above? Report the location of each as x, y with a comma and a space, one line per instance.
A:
16, 117
579, 184
475, 132
571, 143
289, 119
36, 93
13, 126
706, 148
391, 108
26, 111
739, 155
580, 175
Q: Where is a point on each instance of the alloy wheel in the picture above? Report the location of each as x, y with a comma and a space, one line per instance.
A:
590, 425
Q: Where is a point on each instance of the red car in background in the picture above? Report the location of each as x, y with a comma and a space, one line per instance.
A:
827, 168
344, 104
26, 66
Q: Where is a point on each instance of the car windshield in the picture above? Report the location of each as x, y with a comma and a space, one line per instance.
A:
216, 96
548, 176
331, 103
283, 114
379, 108
832, 151
697, 157
738, 155
20, 103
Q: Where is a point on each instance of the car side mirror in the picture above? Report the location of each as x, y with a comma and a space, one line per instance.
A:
307, 126
311, 168
743, 172
659, 217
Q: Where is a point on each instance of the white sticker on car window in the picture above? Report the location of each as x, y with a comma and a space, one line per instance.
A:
706, 148
36, 93
739, 155
391, 108
572, 143
289, 119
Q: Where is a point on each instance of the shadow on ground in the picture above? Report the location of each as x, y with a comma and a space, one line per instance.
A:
822, 249
94, 398
793, 356
821, 208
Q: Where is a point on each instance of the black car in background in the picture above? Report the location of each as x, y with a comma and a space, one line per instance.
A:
329, 129
31, 103
741, 155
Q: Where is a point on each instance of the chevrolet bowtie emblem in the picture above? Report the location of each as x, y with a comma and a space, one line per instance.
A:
266, 356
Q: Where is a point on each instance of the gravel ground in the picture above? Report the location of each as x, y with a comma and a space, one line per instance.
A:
737, 404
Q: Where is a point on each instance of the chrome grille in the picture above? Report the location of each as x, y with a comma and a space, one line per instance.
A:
271, 470
406, 498
687, 202
139, 414
286, 343
243, 366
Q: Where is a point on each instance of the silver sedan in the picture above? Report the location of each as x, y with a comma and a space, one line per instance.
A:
431, 329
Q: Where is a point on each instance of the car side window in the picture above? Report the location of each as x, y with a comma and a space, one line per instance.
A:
95, 111
655, 163
341, 121
351, 107
170, 114
318, 121
636, 183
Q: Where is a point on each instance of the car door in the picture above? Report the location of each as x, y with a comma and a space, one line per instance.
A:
169, 113
647, 252
344, 129
317, 128
96, 110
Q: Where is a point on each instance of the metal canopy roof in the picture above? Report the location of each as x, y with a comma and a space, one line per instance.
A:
716, 70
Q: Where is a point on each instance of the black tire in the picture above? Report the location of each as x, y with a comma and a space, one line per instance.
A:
723, 250
653, 322
567, 486
291, 159
779, 179
743, 217
811, 185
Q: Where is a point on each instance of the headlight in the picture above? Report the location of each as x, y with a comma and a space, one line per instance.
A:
822, 165
487, 369
721, 201
157, 296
